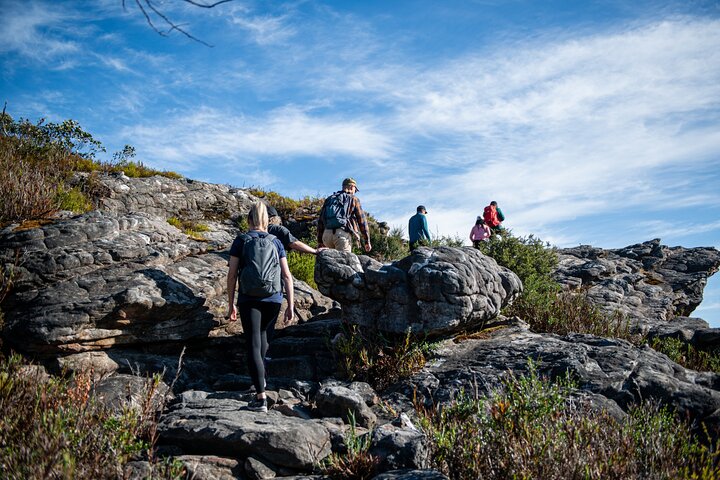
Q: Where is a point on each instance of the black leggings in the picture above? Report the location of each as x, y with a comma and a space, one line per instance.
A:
256, 317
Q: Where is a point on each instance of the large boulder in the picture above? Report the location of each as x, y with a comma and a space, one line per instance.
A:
649, 283
433, 290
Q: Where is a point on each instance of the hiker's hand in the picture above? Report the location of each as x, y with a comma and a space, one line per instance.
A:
368, 247
232, 313
289, 314
320, 248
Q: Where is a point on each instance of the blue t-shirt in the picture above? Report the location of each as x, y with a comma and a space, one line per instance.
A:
236, 251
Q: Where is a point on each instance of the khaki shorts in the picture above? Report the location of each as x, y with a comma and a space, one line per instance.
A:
340, 240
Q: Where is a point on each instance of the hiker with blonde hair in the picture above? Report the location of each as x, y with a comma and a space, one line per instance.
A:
258, 259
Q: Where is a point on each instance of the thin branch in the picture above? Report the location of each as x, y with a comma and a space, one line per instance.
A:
2, 120
147, 8
174, 26
202, 5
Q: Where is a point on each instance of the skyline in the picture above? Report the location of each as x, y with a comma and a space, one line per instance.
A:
589, 124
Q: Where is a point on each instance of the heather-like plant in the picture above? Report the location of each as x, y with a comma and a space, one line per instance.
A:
532, 427
688, 355
377, 359
51, 427
356, 462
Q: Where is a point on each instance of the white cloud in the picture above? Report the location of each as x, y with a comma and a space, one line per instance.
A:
30, 29
191, 139
561, 131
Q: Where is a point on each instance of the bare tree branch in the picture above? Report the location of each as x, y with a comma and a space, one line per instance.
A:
149, 10
2, 120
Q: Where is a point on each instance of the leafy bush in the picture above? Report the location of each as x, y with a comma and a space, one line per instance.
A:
74, 200
379, 360
52, 428
387, 248
530, 428
529, 257
687, 355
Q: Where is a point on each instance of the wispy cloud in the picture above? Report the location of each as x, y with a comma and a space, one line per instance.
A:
30, 30
287, 132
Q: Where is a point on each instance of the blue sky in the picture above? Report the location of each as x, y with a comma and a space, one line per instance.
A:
589, 122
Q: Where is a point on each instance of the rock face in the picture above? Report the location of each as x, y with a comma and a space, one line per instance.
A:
121, 278
431, 291
649, 283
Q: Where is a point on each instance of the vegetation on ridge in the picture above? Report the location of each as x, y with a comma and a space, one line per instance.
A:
37, 163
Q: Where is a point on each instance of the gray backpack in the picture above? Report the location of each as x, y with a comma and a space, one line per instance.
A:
260, 275
337, 210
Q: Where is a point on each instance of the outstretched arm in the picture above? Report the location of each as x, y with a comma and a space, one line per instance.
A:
289, 289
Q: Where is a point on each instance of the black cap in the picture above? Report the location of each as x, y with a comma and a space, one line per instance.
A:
272, 212
421, 208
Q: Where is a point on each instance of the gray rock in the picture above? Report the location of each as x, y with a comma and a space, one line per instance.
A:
129, 391
339, 401
211, 467
400, 448
220, 424
649, 283
431, 291
257, 469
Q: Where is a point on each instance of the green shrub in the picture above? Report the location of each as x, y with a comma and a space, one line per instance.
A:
191, 228
52, 427
530, 428
543, 303
529, 257
73, 199
688, 355
302, 267
369, 356
387, 248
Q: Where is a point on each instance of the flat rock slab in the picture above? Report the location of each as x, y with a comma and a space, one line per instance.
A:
220, 424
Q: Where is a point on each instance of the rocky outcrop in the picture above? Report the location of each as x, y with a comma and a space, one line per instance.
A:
123, 292
648, 283
615, 372
432, 291
167, 197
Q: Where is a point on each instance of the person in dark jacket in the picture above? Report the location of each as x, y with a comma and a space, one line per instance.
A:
418, 228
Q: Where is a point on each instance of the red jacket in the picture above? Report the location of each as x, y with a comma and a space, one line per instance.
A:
490, 216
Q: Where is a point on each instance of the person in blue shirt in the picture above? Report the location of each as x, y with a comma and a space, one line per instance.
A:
417, 228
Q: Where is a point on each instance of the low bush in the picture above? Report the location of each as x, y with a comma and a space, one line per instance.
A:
380, 360
191, 228
543, 303
52, 428
529, 257
38, 159
302, 267
688, 355
532, 428
386, 248
356, 462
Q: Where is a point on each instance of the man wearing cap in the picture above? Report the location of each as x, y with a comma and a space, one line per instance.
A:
288, 240
342, 219
417, 228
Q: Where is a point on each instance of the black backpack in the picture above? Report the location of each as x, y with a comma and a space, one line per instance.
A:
260, 275
337, 210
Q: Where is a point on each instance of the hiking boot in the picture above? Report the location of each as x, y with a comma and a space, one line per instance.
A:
258, 405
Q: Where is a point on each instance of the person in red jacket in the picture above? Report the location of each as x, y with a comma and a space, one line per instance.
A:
493, 217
